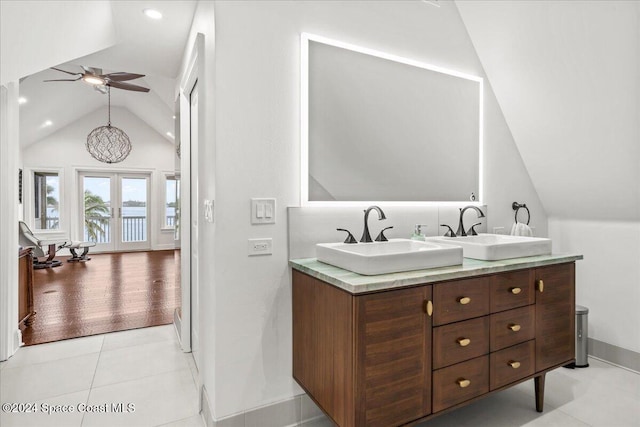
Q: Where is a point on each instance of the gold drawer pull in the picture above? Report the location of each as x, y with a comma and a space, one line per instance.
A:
464, 300
463, 383
428, 307
540, 285
464, 342
514, 364
515, 291
514, 327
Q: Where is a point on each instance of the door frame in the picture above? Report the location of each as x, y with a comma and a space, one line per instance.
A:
188, 182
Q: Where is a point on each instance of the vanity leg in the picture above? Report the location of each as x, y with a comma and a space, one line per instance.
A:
539, 384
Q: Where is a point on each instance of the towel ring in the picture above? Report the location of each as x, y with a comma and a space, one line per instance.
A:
516, 207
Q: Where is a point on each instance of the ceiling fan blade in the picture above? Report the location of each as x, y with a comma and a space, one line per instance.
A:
120, 77
63, 80
127, 86
65, 71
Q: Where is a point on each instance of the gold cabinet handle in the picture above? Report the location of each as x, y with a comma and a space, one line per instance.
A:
540, 285
515, 291
464, 300
463, 383
514, 327
428, 307
514, 364
464, 342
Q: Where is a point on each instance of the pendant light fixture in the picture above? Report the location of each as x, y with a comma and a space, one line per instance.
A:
108, 144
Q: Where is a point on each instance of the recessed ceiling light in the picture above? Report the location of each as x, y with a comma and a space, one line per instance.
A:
22, 100
169, 134
47, 123
152, 13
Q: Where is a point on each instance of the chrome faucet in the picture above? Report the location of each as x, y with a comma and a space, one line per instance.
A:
461, 231
366, 237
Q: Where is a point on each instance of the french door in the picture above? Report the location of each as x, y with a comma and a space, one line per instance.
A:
114, 210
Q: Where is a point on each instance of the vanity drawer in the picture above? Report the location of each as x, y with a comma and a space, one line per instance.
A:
457, 383
511, 290
512, 327
512, 364
460, 300
460, 341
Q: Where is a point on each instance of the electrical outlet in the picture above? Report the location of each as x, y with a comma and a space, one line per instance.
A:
498, 230
260, 247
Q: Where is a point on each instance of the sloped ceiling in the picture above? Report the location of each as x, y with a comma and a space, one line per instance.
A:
111, 35
567, 77
39, 34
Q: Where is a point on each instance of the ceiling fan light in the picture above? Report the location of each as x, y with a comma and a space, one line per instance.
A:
152, 13
94, 80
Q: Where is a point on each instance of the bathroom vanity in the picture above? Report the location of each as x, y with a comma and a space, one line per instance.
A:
394, 349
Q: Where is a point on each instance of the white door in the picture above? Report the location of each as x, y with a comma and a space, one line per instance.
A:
115, 210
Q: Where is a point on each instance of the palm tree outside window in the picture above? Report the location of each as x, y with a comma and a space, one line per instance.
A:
96, 217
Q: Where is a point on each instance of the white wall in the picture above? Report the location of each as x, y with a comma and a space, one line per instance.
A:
608, 279
9, 117
65, 150
207, 248
247, 345
566, 78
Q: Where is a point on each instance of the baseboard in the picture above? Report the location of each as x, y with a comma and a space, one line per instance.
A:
293, 411
164, 247
205, 408
611, 353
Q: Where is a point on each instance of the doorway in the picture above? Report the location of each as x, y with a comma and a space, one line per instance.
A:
114, 210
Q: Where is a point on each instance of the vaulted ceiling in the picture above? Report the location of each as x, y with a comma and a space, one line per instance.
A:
112, 35
567, 77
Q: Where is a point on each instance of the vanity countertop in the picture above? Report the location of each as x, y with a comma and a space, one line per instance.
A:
355, 283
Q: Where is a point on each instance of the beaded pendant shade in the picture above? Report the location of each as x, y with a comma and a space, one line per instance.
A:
108, 144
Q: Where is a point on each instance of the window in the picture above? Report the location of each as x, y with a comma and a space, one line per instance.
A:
171, 200
46, 200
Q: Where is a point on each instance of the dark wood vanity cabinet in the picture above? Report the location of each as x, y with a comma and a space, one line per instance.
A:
398, 356
393, 357
555, 315
365, 360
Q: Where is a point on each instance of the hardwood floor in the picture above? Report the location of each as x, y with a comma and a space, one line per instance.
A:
112, 292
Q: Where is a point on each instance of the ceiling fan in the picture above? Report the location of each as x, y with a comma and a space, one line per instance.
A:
99, 81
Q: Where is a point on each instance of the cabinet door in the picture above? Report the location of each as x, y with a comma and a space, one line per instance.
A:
393, 357
555, 315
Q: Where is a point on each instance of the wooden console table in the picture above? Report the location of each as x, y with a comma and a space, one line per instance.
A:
25, 287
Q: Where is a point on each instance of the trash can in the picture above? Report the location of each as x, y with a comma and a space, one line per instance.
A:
582, 334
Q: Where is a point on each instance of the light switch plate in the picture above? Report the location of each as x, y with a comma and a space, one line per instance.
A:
263, 211
260, 246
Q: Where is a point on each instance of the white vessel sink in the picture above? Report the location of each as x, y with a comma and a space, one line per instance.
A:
493, 247
393, 256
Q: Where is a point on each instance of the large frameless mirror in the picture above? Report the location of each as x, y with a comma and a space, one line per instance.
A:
378, 127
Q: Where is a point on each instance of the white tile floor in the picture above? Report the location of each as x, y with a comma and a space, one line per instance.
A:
146, 367
143, 367
601, 395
